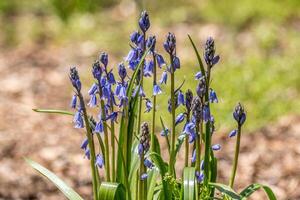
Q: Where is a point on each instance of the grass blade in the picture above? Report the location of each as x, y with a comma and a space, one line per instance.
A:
53, 111
151, 182
198, 56
254, 187
111, 191
189, 183
167, 138
62, 186
226, 190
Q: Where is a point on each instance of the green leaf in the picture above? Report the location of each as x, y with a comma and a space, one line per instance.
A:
167, 138
54, 111
62, 186
198, 56
156, 145
226, 190
111, 191
134, 166
179, 143
151, 182
254, 187
189, 183
160, 164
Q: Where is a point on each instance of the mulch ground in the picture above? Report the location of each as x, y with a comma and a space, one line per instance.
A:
37, 77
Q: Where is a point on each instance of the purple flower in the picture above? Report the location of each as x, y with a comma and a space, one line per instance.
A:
87, 153
148, 68
213, 96
111, 78
140, 149
201, 88
74, 101
122, 71
97, 70
104, 59
148, 163
216, 147
144, 176
160, 60
206, 113
156, 90
102, 81
78, 121
189, 128
93, 89
99, 127
164, 132
199, 176
134, 37
150, 43
176, 63
233, 133
180, 98
93, 101
170, 43
144, 21
239, 114
193, 156
74, 78
164, 78
113, 117
148, 105
179, 118
198, 75
99, 161
84, 144
209, 53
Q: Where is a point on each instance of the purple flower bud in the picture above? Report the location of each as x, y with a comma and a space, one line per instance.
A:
122, 71
170, 43
193, 156
164, 132
93, 101
201, 88
213, 96
140, 149
111, 78
99, 127
84, 144
209, 53
148, 105
216, 147
97, 70
148, 163
233, 133
164, 78
156, 90
134, 37
104, 59
78, 121
99, 161
148, 68
160, 60
188, 100
239, 114
180, 98
144, 176
103, 81
74, 101
144, 21
179, 118
150, 43
74, 78
87, 153
113, 117
198, 75
199, 176
189, 128
176, 63
206, 113
93, 89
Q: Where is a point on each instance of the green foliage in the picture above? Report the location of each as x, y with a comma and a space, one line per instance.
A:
189, 183
111, 191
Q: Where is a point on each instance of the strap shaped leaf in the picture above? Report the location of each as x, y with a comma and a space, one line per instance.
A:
254, 187
226, 190
189, 183
111, 191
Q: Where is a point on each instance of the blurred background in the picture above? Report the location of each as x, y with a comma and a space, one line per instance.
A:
259, 45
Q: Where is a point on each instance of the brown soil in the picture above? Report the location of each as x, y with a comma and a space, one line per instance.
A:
37, 77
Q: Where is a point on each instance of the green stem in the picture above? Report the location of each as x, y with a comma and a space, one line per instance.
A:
172, 157
91, 144
152, 147
187, 146
142, 183
113, 153
236, 157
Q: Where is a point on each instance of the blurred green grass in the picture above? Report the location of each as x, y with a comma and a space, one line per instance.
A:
258, 41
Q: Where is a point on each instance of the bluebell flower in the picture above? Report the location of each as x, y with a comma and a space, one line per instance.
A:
170, 43
140, 149
201, 88
164, 132
209, 53
148, 163
144, 21
192, 137
140, 41
132, 55
197, 110
193, 156
144, 176
149, 105
150, 43
99, 127
213, 96
216, 147
78, 121
206, 113
199, 176
87, 153
121, 92
160, 60
106, 92
74, 101
111, 78
93, 89
97, 70
148, 68
134, 37
180, 98
93, 101
103, 81
144, 145
104, 59
141, 92
176, 63
233, 133
239, 114
84, 144
122, 71
198, 75
164, 78
99, 161
188, 100
179, 118
189, 128
113, 117
74, 78
156, 90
